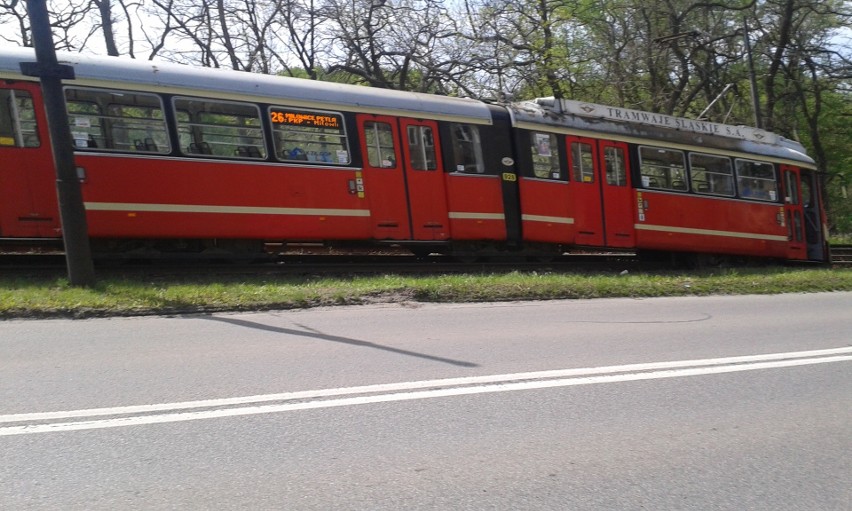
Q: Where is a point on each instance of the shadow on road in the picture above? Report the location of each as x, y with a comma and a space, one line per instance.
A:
307, 332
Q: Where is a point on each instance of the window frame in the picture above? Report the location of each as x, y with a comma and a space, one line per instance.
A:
580, 172
421, 140
377, 149
110, 124
205, 147
665, 170
771, 194
461, 164
708, 173
546, 158
618, 154
319, 157
19, 136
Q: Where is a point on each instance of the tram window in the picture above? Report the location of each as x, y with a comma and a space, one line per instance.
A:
86, 119
797, 226
139, 126
582, 163
421, 146
309, 135
756, 180
791, 190
807, 193
711, 175
117, 120
219, 128
381, 152
467, 149
17, 119
616, 171
184, 132
664, 169
545, 156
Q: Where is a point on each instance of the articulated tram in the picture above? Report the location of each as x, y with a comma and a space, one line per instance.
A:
173, 158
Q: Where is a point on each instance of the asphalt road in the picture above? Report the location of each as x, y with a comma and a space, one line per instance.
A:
677, 403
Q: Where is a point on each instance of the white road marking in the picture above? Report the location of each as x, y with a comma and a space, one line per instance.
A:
31, 423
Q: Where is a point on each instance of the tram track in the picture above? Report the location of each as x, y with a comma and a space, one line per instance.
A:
45, 264
841, 255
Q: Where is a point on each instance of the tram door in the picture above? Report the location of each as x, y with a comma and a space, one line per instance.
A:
403, 178
802, 213
28, 206
794, 214
813, 215
601, 195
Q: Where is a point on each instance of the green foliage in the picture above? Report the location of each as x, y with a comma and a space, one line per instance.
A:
836, 130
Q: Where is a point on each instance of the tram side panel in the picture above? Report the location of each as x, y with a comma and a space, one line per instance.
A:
575, 191
708, 202
28, 204
689, 223
475, 192
174, 197
544, 188
166, 167
383, 176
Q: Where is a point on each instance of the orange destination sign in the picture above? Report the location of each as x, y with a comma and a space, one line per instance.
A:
307, 119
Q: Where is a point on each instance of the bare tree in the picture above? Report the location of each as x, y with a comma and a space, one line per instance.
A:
388, 43
106, 25
294, 38
13, 14
531, 43
67, 22
186, 34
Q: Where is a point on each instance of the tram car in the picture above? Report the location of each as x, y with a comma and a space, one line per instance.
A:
173, 158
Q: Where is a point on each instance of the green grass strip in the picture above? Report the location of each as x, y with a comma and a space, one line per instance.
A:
39, 297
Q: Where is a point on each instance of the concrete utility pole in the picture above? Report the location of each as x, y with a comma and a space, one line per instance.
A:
75, 233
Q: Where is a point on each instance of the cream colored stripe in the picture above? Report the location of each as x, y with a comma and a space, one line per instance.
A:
551, 219
709, 232
233, 210
460, 215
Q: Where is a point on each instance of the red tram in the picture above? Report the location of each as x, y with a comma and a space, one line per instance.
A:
175, 158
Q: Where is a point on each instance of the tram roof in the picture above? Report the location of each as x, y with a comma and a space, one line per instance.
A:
561, 115
117, 72
654, 129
